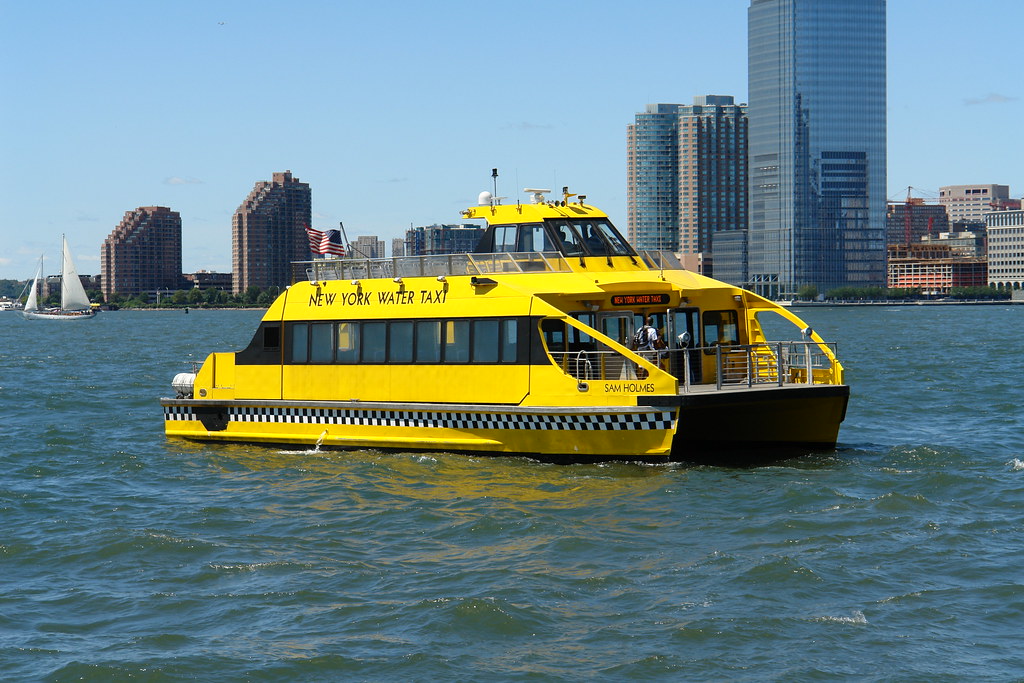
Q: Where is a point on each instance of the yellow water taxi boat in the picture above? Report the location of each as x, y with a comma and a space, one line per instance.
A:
523, 348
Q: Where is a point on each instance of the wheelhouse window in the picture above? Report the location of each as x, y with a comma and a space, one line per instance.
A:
505, 238
569, 239
533, 237
594, 236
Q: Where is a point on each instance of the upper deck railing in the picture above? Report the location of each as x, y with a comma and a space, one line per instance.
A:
459, 264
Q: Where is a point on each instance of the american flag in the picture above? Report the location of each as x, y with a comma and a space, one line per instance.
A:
325, 242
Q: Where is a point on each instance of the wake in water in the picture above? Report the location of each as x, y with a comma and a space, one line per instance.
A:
857, 618
1016, 465
308, 451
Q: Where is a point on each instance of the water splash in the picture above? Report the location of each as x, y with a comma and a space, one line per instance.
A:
857, 618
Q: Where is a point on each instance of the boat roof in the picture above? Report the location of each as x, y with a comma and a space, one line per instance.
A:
533, 212
617, 254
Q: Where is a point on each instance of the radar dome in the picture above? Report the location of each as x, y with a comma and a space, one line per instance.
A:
484, 199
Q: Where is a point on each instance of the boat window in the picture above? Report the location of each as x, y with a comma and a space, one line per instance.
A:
571, 243
554, 334
321, 342
298, 342
428, 341
485, 341
684, 329
375, 342
271, 337
400, 341
509, 335
776, 328
720, 327
456, 341
505, 238
348, 343
533, 238
601, 238
618, 327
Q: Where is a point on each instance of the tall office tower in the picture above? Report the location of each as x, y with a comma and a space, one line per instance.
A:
970, 203
817, 145
686, 174
268, 233
143, 253
398, 246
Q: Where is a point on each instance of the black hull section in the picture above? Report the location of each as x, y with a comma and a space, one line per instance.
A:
750, 427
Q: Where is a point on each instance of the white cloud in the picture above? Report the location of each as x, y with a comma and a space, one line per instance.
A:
992, 98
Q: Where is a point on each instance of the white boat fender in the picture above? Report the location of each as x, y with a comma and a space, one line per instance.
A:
183, 383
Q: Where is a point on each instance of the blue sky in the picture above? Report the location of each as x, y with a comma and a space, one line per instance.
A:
395, 112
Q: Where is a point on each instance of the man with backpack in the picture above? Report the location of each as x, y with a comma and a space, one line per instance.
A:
645, 340
646, 336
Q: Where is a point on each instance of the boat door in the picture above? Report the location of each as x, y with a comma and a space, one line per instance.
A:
684, 340
617, 325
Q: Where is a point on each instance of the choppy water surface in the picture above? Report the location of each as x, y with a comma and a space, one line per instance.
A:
124, 556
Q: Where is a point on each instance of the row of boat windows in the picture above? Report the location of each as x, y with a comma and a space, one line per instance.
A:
490, 340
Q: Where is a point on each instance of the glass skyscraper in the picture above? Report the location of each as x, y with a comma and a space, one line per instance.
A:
817, 145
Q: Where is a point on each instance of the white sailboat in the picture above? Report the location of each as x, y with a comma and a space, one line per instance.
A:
74, 303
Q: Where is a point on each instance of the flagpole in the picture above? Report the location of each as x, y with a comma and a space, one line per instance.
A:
348, 247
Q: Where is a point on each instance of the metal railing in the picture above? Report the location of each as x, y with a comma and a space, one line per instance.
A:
454, 264
725, 366
430, 266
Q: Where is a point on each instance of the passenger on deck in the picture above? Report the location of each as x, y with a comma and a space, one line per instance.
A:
647, 338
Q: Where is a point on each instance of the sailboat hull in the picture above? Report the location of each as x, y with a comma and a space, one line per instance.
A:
58, 315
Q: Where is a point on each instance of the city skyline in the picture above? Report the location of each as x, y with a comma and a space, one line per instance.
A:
115, 106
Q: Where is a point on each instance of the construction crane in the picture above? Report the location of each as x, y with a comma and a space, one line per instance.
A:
908, 216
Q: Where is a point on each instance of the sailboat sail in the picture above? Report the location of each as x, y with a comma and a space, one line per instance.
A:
72, 293
74, 303
32, 303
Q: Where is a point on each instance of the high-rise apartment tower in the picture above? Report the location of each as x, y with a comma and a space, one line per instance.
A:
817, 145
143, 253
686, 174
268, 233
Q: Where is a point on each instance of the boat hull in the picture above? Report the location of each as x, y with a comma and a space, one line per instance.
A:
58, 315
756, 425
701, 429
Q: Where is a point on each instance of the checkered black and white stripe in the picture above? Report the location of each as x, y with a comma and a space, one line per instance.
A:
654, 419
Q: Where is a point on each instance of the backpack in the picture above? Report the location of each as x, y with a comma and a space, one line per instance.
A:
640, 338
